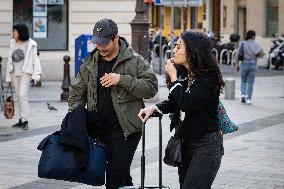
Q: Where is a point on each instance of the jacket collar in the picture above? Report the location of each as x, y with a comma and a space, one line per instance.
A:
30, 42
125, 53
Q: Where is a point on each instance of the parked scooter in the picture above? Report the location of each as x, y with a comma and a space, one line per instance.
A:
276, 53
277, 56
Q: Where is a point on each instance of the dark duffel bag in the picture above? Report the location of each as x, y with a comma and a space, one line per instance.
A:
55, 163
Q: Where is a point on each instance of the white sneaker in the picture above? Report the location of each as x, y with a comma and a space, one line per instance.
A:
248, 102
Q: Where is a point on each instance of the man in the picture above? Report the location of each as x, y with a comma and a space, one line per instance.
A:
112, 82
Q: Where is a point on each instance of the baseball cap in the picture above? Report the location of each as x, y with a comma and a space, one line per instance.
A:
103, 31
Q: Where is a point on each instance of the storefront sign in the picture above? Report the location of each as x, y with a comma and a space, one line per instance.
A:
158, 2
55, 2
179, 3
39, 1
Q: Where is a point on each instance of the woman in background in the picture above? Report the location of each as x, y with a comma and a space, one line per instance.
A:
22, 66
252, 51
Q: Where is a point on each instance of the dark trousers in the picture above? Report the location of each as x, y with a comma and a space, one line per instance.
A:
120, 156
201, 161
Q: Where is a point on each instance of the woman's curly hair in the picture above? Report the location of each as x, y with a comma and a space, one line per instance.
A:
23, 31
200, 58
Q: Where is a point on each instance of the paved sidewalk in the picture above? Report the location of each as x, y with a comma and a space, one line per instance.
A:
254, 156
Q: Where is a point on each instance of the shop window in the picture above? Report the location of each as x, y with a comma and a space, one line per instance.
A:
272, 19
47, 21
177, 18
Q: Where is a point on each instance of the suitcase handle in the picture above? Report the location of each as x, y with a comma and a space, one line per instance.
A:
159, 115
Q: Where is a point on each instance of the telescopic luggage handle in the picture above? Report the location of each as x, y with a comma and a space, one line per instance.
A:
159, 115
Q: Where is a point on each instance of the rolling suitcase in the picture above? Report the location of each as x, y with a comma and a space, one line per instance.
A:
160, 186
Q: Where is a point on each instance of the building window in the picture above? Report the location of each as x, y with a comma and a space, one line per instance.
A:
177, 18
272, 17
47, 21
155, 14
225, 17
193, 17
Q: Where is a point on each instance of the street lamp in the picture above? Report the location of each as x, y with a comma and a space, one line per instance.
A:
140, 28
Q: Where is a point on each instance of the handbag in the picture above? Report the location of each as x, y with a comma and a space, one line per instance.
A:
173, 149
241, 53
57, 163
9, 107
173, 152
225, 123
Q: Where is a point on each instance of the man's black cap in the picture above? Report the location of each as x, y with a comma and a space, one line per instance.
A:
103, 31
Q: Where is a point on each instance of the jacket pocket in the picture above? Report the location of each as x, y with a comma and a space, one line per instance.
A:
122, 96
130, 110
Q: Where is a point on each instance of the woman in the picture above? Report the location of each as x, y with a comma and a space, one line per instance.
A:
202, 142
23, 65
252, 51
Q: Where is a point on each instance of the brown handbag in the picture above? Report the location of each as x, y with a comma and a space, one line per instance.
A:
9, 107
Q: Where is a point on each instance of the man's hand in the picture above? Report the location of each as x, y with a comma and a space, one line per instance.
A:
238, 67
110, 79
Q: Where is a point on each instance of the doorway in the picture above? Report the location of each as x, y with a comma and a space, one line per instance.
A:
216, 14
242, 22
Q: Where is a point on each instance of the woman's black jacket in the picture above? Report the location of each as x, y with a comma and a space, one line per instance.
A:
199, 102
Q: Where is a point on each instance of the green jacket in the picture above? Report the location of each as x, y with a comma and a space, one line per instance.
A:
137, 81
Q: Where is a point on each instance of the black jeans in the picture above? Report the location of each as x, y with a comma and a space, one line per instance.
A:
201, 160
120, 156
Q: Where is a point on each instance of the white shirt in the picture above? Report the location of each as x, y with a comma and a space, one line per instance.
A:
18, 57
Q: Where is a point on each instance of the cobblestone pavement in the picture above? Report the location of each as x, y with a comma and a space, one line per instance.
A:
254, 156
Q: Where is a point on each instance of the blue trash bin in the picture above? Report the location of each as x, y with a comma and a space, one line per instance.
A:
83, 47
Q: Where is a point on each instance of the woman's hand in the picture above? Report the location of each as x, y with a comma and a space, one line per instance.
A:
145, 113
171, 70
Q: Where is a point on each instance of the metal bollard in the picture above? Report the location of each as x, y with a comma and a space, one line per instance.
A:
230, 84
66, 79
221, 56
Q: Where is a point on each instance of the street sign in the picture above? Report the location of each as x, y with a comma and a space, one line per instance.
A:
158, 2
179, 3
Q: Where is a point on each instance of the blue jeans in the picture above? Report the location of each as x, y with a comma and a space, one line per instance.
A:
201, 160
248, 71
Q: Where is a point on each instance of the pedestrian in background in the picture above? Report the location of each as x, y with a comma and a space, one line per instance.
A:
112, 82
251, 51
202, 141
22, 66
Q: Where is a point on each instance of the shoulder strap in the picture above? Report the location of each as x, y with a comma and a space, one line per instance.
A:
9, 89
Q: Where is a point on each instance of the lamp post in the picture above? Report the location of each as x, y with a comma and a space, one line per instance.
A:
140, 28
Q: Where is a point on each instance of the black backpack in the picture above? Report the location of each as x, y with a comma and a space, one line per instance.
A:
241, 52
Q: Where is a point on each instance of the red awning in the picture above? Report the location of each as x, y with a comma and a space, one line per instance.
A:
148, 1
